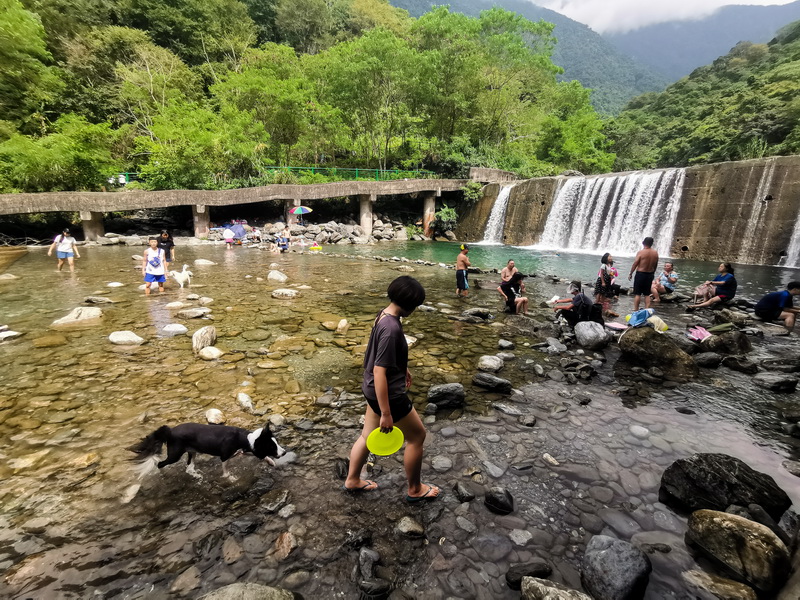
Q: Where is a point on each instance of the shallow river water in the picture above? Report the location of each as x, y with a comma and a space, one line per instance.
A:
76, 523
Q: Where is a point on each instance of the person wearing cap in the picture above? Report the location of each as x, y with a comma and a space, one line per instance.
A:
462, 264
66, 249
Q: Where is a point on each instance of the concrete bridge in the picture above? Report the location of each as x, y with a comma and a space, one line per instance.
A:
92, 205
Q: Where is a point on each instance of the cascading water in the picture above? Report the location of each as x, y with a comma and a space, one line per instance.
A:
493, 234
614, 213
793, 253
757, 213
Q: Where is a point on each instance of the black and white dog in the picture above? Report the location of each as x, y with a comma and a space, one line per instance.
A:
216, 440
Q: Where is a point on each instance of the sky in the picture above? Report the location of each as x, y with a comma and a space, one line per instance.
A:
606, 16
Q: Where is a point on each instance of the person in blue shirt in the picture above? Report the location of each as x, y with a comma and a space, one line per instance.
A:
779, 306
724, 287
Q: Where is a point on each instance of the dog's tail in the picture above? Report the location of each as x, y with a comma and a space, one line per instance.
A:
148, 449
151, 445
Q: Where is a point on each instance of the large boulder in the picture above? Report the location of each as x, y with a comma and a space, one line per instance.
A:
248, 591
614, 569
649, 348
716, 481
83, 315
730, 342
737, 317
534, 588
718, 587
591, 335
448, 395
748, 549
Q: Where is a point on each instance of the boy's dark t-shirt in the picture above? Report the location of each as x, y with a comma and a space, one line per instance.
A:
387, 348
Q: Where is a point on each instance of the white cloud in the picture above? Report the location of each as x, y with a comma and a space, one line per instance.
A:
605, 16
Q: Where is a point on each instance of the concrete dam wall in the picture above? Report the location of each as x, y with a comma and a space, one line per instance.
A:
745, 212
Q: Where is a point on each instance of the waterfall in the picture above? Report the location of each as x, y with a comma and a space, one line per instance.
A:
493, 235
793, 253
614, 213
757, 213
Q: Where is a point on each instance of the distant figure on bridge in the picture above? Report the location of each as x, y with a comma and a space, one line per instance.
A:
462, 264
644, 265
66, 249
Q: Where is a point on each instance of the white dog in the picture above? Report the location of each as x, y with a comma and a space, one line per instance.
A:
182, 277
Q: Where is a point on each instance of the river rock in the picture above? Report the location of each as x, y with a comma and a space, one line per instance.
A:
614, 569
707, 360
741, 364
716, 481
505, 345
447, 395
490, 364
83, 315
285, 294
203, 261
408, 526
9, 335
203, 337
591, 335
534, 588
536, 568
554, 346
125, 338
492, 546
462, 492
215, 416
683, 342
492, 383
726, 315
481, 313
193, 313
644, 345
718, 587
277, 276
114, 284
174, 305
730, 342
748, 549
210, 353
777, 382
175, 329
50, 341
97, 300
8, 277
245, 401
248, 591
499, 500
342, 327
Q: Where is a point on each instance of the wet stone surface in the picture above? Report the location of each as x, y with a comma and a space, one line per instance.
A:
579, 454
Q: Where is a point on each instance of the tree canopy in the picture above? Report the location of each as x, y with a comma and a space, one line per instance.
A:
744, 105
212, 93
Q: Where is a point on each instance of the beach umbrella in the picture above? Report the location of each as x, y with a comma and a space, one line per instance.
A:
300, 210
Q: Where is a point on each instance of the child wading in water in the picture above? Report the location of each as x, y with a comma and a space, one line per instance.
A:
386, 380
154, 267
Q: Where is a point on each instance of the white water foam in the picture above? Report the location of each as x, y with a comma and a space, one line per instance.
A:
493, 234
757, 213
614, 213
793, 253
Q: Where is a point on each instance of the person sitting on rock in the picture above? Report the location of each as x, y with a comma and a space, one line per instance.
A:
779, 306
724, 288
665, 283
510, 290
576, 308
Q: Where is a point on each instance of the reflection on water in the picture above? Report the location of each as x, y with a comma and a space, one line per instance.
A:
75, 521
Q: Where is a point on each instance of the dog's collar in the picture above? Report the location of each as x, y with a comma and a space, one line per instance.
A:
252, 437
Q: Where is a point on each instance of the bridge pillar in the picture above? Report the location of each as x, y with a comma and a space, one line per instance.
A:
288, 205
92, 223
201, 219
428, 212
365, 212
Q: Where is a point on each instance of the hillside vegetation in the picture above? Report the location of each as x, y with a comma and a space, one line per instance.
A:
585, 55
209, 94
744, 105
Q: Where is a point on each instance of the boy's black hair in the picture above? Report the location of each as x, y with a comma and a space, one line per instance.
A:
647, 242
406, 292
793, 285
604, 258
151, 238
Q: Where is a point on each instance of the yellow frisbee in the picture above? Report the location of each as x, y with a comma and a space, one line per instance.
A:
384, 444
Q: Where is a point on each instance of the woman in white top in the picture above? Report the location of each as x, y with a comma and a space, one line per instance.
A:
66, 249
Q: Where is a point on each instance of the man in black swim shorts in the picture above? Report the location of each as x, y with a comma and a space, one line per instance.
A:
645, 265
462, 264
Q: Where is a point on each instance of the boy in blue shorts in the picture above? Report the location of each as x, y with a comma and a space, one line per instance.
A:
154, 267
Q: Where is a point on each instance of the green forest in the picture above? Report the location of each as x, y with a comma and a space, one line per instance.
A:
744, 105
210, 94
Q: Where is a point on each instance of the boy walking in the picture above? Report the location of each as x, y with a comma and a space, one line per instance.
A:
154, 267
462, 264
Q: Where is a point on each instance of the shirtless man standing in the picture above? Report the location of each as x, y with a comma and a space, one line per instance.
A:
462, 263
645, 265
